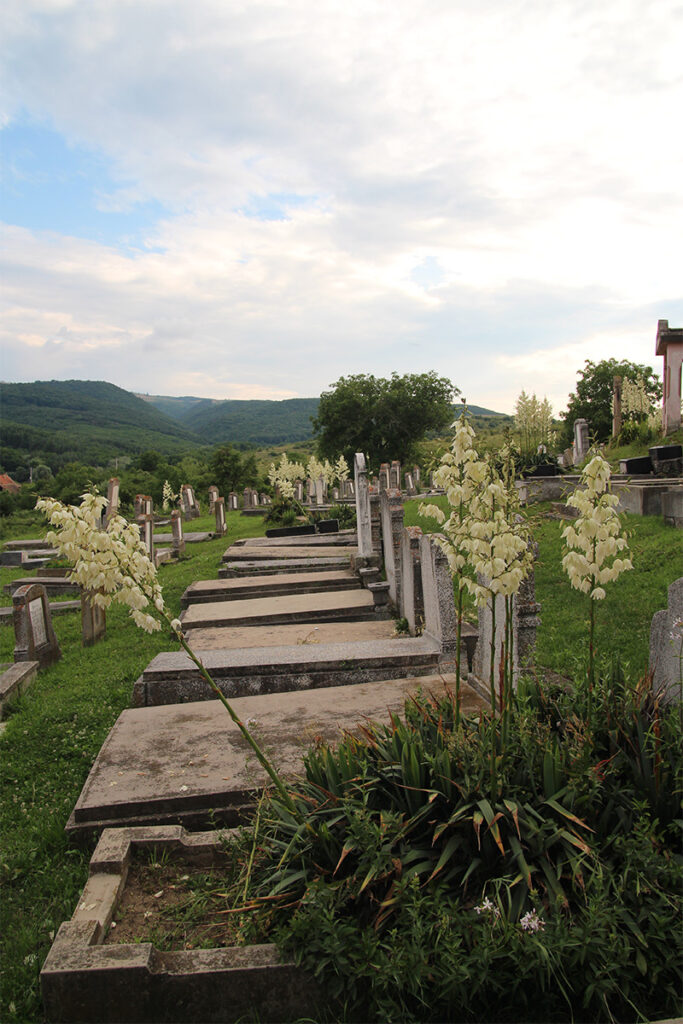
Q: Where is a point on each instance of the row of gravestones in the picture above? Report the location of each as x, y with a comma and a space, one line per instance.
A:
664, 460
421, 589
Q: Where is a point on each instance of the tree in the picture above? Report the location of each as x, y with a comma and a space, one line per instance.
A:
231, 471
592, 400
384, 418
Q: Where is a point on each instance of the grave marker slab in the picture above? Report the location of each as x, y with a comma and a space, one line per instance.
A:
34, 636
666, 645
93, 619
219, 510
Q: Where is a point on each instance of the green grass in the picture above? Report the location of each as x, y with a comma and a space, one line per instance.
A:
623, 618
46, 751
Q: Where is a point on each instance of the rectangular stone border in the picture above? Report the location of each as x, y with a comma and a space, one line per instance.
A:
84, 981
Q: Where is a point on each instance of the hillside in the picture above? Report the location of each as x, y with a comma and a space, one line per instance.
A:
257, 422
86, 421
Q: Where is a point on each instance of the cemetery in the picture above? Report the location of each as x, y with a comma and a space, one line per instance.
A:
398, 737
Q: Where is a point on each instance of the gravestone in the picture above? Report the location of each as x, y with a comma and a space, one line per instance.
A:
364, 524
213, 494
391, 519
219, 510
310, 490
34, 637
669, 344
265, 500
581, 440
298, 491
437, 593
177, 538
335, 494
383, 476
666, 645
525, 621
416, 475
246, 500
320, 491
411, 606
93, 619
146, 525
138, 505
147, 505
112, 499
667, 459
410, 484
395, 475
233, 501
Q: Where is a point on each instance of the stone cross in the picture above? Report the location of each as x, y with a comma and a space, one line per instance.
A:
177, 539
34, 637
581, 440
93, 619
219, 510
213, 494
364, 525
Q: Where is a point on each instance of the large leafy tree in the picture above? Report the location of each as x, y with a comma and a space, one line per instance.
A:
592, 399
230, 470
384, 418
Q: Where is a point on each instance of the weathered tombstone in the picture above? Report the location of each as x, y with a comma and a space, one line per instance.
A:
669, 344
219, 510
437, 593
335, 494
666, 645
247, 497
138, 505
177, 539
524, 624
93, 619
233, 501
146, 524
147, 505
34, 637
431, 480
213, 494
391, 520
185, 505
383, 476
395, 475
364, 525
320, 491
410, 484
568, 457
416, 475
112, 499
411, 605
310, 490
581, 441
616, 406
298, 491
192, 502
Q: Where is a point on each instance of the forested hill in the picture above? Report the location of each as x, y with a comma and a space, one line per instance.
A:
88, 421
258, 422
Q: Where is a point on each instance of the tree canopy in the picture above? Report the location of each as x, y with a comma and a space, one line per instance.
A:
592, 399
384, 418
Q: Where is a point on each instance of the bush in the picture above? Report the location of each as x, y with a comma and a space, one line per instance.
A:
518, 871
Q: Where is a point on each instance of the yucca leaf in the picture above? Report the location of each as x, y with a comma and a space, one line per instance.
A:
449, 849
566, 814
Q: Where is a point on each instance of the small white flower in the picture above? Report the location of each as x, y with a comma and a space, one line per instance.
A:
531, 922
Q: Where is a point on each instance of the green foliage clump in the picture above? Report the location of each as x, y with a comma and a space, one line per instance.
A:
468, 872
592, 400
384, 418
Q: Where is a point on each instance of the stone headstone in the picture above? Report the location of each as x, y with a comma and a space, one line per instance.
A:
138, 505
395, 475
383, 476
525, 620
213, 494
146, 525
247, 498
410, 484
177, 538
416, 475
34, 637
666, 645
437, 593
364, 524
147, 505
298, 490
581, 440
93, 619
391, 518
320, 491
219, 511
112, 499
233, 501
335, 494
411, 605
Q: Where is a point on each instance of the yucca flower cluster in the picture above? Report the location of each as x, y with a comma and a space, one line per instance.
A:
594, 541
168, 497
284, 475
112, 563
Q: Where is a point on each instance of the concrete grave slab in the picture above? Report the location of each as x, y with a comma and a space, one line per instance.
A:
342, 539
84, 978
56, 608
26, 545
233, 569
256, 586
188, 537
172, 677
187, 763
320, 607
15, 679
53, 584
257, 553
232, 637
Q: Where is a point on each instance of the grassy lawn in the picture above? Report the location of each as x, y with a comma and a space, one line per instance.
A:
57, 728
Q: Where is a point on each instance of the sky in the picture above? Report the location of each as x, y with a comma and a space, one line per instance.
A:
247, 199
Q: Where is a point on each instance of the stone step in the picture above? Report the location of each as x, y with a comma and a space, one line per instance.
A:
314, 540
269, 567
188, 537
173, 678
232, 637
268, 585
351, 605
27, 545
258, 553
189, 764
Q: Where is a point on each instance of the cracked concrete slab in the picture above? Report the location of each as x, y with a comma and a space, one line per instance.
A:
319, 607
268, 585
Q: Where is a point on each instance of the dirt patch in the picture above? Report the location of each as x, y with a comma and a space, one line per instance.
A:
176, 905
